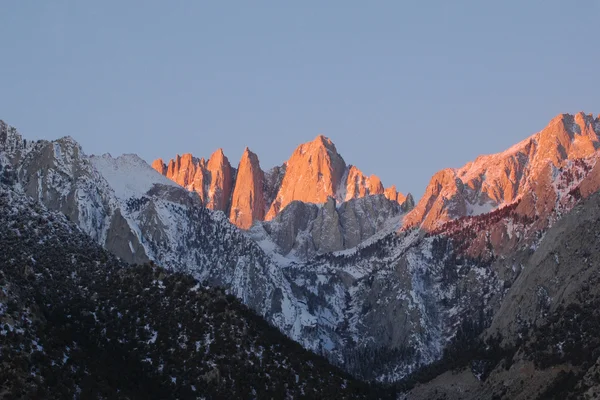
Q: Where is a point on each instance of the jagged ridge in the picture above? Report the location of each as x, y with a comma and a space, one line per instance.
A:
313, 173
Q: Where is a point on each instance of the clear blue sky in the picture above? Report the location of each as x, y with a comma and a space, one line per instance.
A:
404, 88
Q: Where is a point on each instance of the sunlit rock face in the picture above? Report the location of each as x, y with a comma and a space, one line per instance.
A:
314, 173
212, 180
359, 185
247, 201
221, 181
526, 172
385, 291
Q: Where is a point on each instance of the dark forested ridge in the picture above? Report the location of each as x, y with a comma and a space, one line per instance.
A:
77, 323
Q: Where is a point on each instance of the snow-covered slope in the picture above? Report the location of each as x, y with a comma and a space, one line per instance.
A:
119, 172
139, 215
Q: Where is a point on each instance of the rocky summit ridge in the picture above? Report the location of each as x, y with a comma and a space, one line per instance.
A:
314, 172
521, 173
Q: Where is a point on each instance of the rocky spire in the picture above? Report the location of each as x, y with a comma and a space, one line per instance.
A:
160, 166
394, 195
314, 173
247, 201
359, 185
221, 181
186, 171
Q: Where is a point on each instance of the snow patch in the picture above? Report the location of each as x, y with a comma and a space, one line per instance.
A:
128, 175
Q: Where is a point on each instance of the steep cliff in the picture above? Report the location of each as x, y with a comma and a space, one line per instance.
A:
248, 201
525, 172
314, 173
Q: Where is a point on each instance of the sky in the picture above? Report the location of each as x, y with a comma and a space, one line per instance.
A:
403, 88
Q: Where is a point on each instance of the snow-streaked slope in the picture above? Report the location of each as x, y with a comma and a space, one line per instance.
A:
302, 231
496, 180
128, 175
137, 214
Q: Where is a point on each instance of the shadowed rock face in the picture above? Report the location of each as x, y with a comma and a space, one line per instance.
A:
548, 317
139, 215
303, 230
314, 173
121, 241
525, 171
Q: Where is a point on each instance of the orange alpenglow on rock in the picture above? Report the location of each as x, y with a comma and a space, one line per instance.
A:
221, 181
160, 166
212, 181
392, 194
188, 172
247, 201
523, 172
358, 185
313, 174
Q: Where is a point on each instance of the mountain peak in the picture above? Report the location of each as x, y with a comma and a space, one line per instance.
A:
218, 155
493, 180
323, 139
247, 199
221, 181
313, 173
319, 144
567, 137
249, 155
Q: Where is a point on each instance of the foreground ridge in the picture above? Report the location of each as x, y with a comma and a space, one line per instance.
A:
77, 322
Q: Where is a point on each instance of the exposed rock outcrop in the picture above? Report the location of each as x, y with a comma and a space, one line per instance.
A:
186, 171
303, 230
314, 173
247, 201
221, 181
359, 185
404, 295
525, 171
212, 180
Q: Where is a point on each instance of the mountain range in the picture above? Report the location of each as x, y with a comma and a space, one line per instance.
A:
483, 276
314, 173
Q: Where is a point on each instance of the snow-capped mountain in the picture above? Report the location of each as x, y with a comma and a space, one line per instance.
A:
139, 215
519, 173
338, 269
